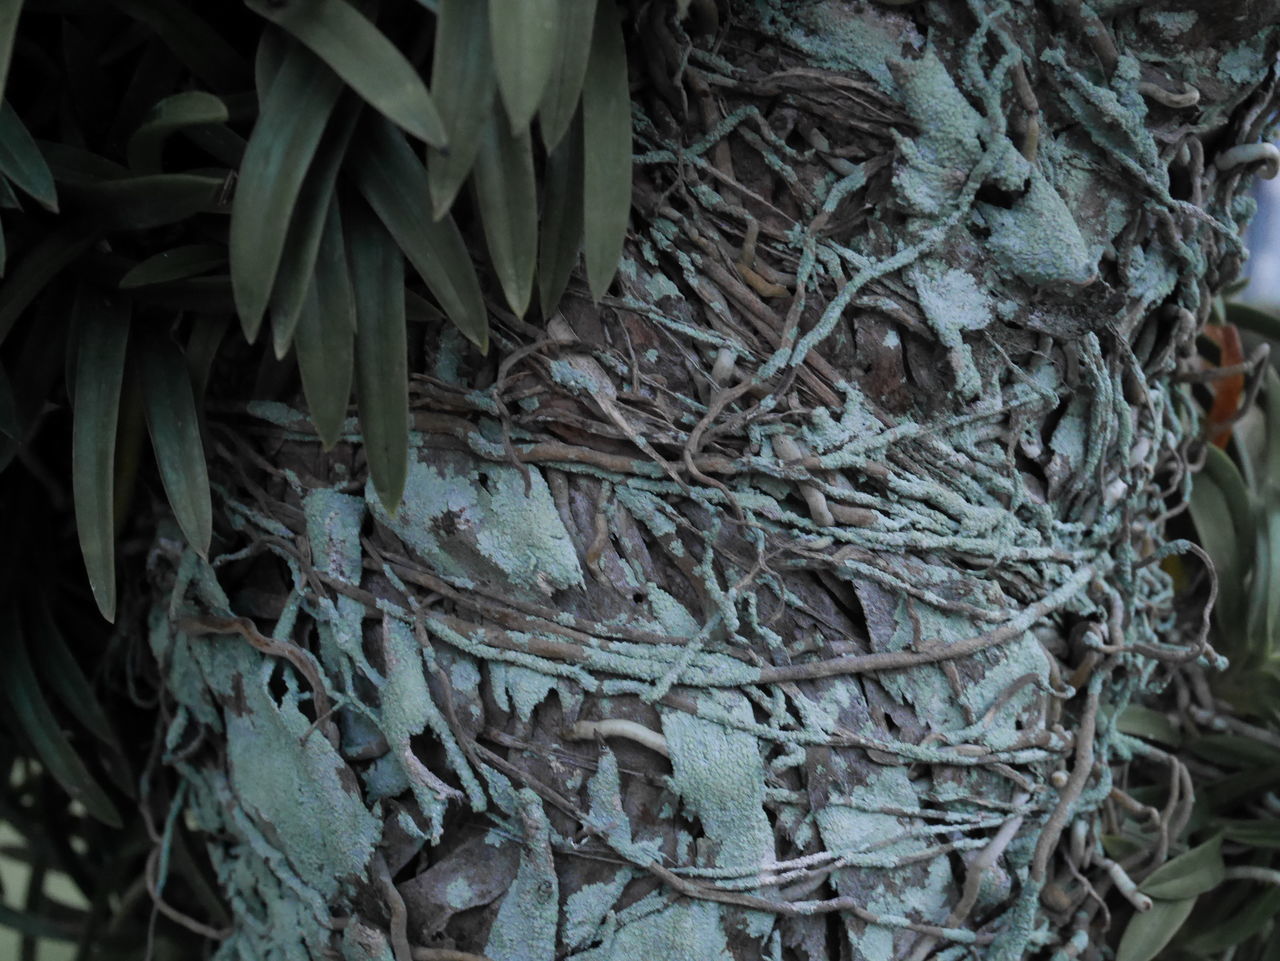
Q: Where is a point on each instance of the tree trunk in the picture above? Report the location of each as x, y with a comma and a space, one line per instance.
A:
777, 605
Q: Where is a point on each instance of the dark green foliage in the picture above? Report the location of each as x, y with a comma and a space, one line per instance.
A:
1224, 892
140, 193
172, 175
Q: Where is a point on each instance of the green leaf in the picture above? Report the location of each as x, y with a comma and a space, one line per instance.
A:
79, 167
1224, 749
1270, 573
1212, 516
1150, 725
606, 136
22, 692
363, 57
34, 925
1149, 931
298, 262
41, 264
1271, 481
394, 184
22, 162
193, 108
1222, 469
9, 11
190, 260
8, 199
175, 438
1263, 322
1242, 925
1189, 874
462, 83
1228, 790
325, 334
202, 347
59, 669
525, 37
192, 40
564, 88
1120, 846
103, 335
505, 192
382, 370
295, 111
153, 200
24, 699
561, 239
1257, 833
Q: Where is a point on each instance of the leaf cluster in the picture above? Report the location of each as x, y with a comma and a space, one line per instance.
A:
278, 163
219, 200
1222, 896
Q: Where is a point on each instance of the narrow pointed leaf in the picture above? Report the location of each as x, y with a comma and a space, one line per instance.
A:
202, 348
525, 37
192, 108
152, 200
359, 53
1149, 931
22, 162
284, 140
59, 669
1223, 471
103, 336
394, 183
561, 239
21, 690
1247, 317
191, 260
1212, 516
40, 265
303, 243
1258, 910
1194, 872
78, 167
325, 336
1144, 722
508, 204
462, 84
564, 87
1255, 833
382, 370
9, 11
606, 137
175, 438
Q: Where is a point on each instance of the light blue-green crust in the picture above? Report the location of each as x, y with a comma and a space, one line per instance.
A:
619, 625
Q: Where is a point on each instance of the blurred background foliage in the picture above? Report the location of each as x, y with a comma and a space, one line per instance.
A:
1208, 748
197, 193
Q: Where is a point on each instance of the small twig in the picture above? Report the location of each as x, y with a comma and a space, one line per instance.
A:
618, 727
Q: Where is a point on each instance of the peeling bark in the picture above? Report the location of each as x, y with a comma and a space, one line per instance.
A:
775, 606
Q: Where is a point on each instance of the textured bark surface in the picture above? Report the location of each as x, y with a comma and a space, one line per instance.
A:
776, 606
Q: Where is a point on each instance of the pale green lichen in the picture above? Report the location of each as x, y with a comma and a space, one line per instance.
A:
525, 928
470, 519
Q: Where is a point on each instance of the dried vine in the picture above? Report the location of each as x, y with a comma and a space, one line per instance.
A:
835, 531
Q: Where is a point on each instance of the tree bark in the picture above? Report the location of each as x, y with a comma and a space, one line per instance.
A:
776, 605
